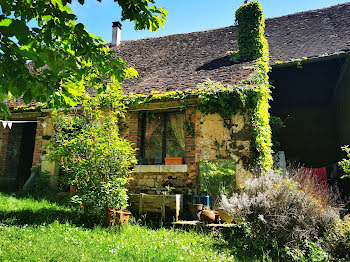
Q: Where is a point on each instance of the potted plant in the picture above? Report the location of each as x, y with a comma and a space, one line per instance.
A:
116, 200
217, 177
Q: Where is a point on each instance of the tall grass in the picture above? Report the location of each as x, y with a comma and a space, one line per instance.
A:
32, 230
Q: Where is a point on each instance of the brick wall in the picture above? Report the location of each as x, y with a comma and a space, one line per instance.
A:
38, 145
190, 139
3, 149
133, 130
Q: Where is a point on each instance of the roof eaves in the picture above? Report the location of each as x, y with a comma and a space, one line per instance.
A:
307, 60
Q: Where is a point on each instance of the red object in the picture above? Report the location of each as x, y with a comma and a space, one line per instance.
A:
117, 217
319, 174
72, 190
173, 160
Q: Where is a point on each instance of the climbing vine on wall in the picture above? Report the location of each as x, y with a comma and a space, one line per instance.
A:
251, 37
250, 31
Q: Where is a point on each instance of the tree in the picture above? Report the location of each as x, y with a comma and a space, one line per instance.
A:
64, 59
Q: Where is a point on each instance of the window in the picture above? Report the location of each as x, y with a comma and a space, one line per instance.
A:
162, 135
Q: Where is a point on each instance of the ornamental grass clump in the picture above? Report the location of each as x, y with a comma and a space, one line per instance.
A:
287, 209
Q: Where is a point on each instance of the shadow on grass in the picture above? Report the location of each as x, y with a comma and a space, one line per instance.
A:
62, 212
47, 216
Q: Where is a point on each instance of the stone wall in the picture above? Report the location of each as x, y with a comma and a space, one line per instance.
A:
45, 131
211, 138
226, 139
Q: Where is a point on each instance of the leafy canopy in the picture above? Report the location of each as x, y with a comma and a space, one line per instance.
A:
67, 58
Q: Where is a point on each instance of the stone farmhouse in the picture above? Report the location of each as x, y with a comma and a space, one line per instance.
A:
310, 72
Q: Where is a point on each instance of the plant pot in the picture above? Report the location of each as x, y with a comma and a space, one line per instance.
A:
117, 217
173, 160
225, 216
195, 209
150, 161
208, 216
72, 190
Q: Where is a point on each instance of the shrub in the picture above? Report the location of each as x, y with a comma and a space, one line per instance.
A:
93, 156
338, 241
284, 208
345, 163
217, 176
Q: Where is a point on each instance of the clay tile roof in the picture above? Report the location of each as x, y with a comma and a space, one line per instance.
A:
181, 61
310, 34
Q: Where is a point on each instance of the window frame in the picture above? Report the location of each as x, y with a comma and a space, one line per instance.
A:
142, 130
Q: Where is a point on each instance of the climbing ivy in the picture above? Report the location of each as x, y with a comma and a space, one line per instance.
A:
252, 13
226, 101
250, 31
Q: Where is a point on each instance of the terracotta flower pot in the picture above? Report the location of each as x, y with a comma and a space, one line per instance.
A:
208, 216
225, 216
194, 210
173, 160
117, 217
72, 190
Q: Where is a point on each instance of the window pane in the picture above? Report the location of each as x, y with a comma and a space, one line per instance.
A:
153, 137
175, 135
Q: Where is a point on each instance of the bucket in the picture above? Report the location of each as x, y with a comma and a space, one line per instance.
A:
205, 200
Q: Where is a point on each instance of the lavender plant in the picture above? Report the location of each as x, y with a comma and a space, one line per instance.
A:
288, 209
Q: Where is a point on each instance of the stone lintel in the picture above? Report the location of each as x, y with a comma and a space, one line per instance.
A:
160, 169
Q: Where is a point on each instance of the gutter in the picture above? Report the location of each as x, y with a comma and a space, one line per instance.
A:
310, 60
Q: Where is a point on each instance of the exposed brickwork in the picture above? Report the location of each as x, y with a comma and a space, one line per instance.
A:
133, 132
38, 145
3, 149
190, 139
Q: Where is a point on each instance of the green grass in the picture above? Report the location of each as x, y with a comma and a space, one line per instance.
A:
32, 230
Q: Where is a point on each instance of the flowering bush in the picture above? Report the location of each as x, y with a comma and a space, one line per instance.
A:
286, 209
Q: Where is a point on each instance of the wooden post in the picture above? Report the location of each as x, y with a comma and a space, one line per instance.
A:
141, 204
163, 208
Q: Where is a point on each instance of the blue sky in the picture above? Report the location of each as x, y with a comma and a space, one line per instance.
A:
184, 15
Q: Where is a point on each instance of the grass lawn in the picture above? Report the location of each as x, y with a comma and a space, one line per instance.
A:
33, 230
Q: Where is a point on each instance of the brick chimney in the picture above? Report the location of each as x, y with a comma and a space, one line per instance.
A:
116, 33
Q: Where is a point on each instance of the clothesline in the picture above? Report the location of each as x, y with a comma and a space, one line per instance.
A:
9, 123
322, 166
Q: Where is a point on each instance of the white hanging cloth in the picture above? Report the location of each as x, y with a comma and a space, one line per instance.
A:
10, 123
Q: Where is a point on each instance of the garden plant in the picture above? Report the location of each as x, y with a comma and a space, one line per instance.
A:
92, 155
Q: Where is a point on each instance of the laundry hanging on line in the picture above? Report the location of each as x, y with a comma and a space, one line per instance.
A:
319, 175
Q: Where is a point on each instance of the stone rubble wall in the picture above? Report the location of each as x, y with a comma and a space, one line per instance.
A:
213, 138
